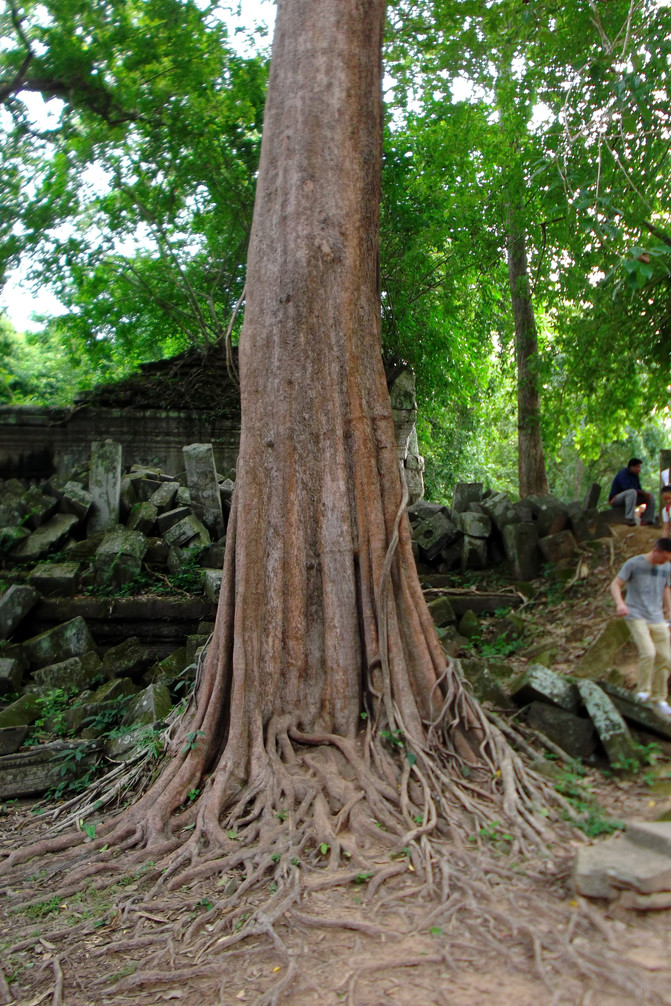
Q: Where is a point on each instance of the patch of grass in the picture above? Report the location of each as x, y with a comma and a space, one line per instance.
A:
124, 972
41, 909
590, 816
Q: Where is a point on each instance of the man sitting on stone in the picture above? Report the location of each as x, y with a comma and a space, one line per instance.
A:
626, 491
647, 578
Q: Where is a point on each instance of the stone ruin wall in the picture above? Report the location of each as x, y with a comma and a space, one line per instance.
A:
140, 414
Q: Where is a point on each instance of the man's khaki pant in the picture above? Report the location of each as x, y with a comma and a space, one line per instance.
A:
654, 656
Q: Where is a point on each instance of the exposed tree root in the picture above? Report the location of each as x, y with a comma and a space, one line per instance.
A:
321, 811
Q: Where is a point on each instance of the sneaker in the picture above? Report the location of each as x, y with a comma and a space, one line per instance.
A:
630, 522
663, 708
642, 696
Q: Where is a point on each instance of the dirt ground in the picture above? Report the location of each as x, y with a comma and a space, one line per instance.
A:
497, 927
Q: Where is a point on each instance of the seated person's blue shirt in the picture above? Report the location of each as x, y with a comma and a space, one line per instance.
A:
624, 480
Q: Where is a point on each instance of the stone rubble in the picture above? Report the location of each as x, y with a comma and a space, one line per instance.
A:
76, 545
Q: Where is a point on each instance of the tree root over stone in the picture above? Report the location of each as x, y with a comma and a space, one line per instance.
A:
317, 812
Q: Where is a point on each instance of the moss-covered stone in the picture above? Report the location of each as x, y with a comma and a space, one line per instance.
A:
469, 625
167, 671
442, 612
21, 713
69, 639
601, 654
60, 578
73, 674
150, 706
540, 684
117, 689
612, 730
127, 660
574, 734
15, 603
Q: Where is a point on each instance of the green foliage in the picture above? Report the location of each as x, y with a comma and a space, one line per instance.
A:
134, 203
132, 200
494, 833
187, 580
590, 817
72, 780
51, 721
192, 739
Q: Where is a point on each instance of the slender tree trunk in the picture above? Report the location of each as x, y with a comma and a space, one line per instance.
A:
532, 476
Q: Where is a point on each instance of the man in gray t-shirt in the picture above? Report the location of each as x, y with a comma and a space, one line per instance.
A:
648, 581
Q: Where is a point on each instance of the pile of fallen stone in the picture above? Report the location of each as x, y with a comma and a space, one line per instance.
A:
71, 548
483, 529
586, 719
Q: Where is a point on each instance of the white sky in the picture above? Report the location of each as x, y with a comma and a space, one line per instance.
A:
18, 299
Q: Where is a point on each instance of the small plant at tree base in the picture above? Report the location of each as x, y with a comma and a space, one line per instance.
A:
192, 740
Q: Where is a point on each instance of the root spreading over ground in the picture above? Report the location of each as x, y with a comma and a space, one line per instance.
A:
404, 857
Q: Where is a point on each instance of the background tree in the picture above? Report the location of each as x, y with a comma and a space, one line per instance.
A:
133, 200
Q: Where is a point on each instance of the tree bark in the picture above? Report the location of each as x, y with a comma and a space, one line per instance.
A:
532, 476
318, 489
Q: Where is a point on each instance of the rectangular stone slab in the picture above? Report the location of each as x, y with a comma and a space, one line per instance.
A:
38, 769
611, 728
602, 870
15, 604
540, 684
639, 713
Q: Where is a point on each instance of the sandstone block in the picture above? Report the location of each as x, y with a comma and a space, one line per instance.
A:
76, 500
473, 553
187, 531
442, 611
75, 673
635, 861
435, 534
520, 542
203, 486
476, 525
212, 583
11, 739
104, 485
47, 538
540, 684
574, 734
39, 507
15, 603
11, 675
142, 517
171, 517
118, 688
69, 639
465, 493
558, 546
21, 713
27, 773
60, 578
150, 706
164, 497
610, 726
601, 653
119, 556
127, 660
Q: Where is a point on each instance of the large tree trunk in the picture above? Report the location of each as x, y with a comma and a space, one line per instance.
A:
532, 476
310, 630
318, 484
